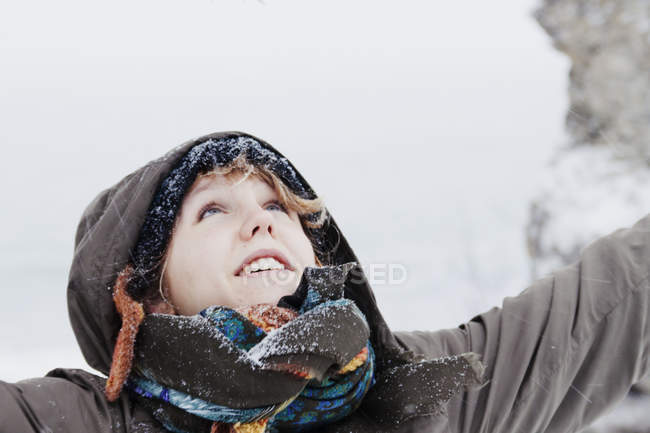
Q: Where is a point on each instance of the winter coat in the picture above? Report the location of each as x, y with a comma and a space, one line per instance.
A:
557, 356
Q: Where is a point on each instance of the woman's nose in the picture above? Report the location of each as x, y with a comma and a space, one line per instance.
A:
258, 223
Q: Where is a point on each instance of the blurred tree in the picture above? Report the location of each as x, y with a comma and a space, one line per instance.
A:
599, 179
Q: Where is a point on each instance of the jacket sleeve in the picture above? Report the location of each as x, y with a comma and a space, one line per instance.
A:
65, 401
562, 352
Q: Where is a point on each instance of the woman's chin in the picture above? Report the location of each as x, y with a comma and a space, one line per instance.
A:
268, 286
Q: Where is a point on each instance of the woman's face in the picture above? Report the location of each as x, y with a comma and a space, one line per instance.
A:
226, 231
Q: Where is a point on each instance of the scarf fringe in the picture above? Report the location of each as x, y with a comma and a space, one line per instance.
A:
252, 427
132, 314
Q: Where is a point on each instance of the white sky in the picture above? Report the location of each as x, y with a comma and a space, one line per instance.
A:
425, 126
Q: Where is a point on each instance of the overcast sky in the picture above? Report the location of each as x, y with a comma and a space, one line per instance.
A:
425, 127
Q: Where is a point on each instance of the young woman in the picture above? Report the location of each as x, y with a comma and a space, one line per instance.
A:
217, 294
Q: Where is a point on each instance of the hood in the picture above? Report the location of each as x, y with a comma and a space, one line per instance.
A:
108, 234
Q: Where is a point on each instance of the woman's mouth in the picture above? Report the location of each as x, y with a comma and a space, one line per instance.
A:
265, 273
263, 261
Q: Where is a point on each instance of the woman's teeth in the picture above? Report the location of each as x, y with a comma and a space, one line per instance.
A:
263, 264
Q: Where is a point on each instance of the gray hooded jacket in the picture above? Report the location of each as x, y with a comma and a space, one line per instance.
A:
557, 356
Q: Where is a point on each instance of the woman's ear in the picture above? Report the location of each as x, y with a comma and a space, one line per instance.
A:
159, 306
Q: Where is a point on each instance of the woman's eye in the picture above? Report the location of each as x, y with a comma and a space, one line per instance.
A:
276, 206
208, 209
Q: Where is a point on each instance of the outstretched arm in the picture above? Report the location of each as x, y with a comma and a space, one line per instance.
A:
563, 351
65, 401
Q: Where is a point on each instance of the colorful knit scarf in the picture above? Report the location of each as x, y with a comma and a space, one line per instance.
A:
303, 347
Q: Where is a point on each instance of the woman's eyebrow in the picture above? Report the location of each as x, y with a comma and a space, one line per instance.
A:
193, 197
202, 186
208, 185
202, 196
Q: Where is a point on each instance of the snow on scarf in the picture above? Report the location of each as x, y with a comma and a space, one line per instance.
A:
322, 397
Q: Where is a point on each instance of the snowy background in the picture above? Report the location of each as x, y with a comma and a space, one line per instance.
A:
426, 128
